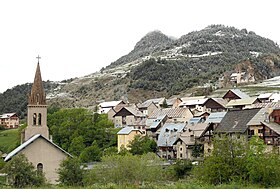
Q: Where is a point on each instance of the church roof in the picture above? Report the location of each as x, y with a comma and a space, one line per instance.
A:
37, 95
29, 141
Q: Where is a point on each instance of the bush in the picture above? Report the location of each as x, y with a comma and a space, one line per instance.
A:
127, 169
70, 172
21, 173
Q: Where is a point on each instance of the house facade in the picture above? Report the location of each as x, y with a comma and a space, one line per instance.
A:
128, 116
125, 135
9, 120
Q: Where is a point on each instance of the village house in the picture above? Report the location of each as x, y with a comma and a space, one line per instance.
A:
169, 134
215, 105
157, 101
104, 107
173, 114
127, 134
35, 143
234, 94
147, 107
9, 120
244, 103
153, 126
197, 135
269, 97
235, 123
194, 104
129, 116
173, 102
241, 77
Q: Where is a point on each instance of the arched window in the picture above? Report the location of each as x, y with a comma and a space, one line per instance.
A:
40, 168
39, 119
34, 118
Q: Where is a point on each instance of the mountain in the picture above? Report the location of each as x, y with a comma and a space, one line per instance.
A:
152, 42
163, 66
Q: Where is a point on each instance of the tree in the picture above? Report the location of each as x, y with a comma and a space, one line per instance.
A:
77, 146
263, 167
91, 153
70, 172
227, 162
72, 127
141, 145
181, 169
21, 173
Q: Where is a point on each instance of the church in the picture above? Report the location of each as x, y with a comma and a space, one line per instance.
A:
36, 145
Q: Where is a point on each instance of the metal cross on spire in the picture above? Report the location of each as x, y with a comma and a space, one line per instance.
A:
38, 57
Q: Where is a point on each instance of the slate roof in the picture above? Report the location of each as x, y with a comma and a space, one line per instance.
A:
239, 93
275, 97
215, 117
241, 102
170, 112
221, 101
264, 95
196, 120
169, 133
157, 121
127, 130
7, 115
259, 117
28, 142
193, 102
197, 130
192, 98
145, 104
135, 112
236, 121
155, 100
171, 101
110, 104
267, 105
273, 126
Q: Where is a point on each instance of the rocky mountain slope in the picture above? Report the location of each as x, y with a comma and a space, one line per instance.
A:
162, 66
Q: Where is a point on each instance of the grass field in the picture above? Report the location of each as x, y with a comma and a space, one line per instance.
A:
9, 139
174, 186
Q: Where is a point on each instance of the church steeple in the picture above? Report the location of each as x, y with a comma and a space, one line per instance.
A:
37, 95
36, 109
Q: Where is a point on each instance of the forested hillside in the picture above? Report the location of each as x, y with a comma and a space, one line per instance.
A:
162, 66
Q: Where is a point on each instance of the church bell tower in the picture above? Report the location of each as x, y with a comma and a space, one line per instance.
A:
36, 109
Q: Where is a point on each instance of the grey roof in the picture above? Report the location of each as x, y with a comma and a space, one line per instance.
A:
157, 121
29, 141
242, 102
110, 104
221, 101
171, 101
155, 100
7, 115
169, 133
259, 117
239, 93
236, 121
196, 120
145, 104
196, 130
273, 126
170, 112
135, 112
267, 105
127, 130
215, 117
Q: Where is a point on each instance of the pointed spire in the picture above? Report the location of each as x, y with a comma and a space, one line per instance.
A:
37, 95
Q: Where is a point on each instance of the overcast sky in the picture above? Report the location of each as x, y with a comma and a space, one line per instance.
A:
77, 38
